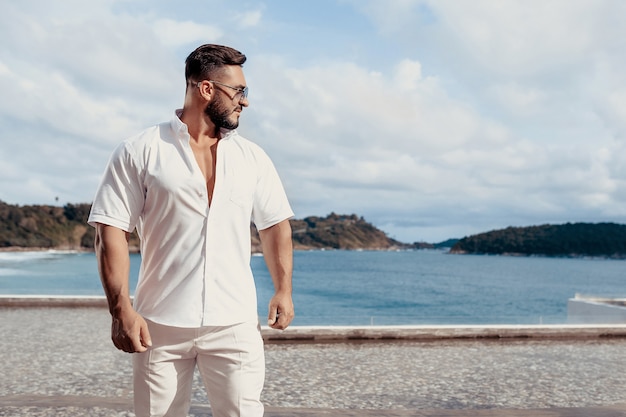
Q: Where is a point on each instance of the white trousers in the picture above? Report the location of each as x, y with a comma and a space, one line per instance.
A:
230, 359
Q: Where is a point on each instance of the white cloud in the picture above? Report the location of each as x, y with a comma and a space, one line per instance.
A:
518, 38
74, 84
519, 100
174, 33
249, 19
468, 116
366, 132
408, 74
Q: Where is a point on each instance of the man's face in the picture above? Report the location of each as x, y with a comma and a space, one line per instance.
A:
225, 108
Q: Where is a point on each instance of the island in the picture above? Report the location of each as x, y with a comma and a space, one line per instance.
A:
46, 227
564, 240
32, 227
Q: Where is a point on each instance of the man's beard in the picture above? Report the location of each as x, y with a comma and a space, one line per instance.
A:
219, 115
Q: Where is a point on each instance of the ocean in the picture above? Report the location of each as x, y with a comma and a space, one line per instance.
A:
374, 287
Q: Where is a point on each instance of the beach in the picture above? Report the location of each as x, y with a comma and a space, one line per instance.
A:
55, 357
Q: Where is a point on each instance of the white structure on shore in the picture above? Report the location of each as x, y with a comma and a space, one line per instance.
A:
584, 309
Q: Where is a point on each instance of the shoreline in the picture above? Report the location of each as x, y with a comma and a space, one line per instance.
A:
336, 333
296, 248
42, 249
299, 248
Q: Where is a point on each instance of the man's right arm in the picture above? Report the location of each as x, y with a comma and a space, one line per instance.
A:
129, 330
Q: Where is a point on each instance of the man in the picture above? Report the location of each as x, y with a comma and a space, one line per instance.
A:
190, 188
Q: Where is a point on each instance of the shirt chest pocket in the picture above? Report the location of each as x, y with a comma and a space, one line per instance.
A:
241, 186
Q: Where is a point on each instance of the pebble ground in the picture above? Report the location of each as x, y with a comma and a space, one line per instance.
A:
60, 361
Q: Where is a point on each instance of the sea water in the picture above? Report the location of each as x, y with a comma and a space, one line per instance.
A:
374, 287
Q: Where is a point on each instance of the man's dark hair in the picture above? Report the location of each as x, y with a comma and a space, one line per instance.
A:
207, 60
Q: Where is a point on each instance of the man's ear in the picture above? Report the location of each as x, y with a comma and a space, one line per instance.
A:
205, 89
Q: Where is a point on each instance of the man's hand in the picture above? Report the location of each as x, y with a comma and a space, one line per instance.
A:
129, 332
281, 311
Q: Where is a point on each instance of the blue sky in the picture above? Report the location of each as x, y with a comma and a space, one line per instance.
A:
431, 119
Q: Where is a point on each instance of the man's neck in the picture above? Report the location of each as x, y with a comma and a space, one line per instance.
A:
200, 127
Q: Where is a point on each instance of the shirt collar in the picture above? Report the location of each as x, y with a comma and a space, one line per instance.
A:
181, 131
179, 128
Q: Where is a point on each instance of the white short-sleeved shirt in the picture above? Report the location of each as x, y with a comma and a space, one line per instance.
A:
195, 268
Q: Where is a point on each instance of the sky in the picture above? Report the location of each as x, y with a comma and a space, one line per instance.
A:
431, 119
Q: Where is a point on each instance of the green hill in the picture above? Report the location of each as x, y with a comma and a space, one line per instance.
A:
45, 226
51, 227
339, 232
570, 239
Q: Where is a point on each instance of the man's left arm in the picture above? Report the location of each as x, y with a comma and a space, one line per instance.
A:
278, 253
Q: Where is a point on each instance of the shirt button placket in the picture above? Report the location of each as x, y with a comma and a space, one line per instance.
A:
206, 275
